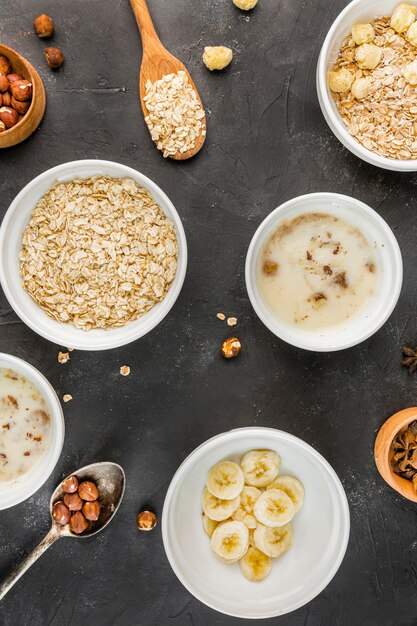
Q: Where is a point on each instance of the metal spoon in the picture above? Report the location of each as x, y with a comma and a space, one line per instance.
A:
110, 481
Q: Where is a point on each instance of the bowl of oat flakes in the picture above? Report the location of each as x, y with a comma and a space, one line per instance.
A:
367, 82
93, 255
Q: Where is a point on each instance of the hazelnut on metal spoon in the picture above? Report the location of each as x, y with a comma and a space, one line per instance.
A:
78, 523
88, 491
60, 513
91, 510
73, 501
70, 484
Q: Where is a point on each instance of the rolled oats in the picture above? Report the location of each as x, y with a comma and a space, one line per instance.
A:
382, 116
175, 116
98, 253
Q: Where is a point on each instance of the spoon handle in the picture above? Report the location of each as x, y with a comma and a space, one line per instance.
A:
12, 578
144, 21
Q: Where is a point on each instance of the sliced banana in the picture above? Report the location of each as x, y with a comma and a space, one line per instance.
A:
230, 541
244, 512
292, 487
260, 467
217, 509
225, 480
274, 508
255, 565
209, 525
273, 541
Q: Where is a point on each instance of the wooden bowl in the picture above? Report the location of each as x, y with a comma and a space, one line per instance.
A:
29, 122
383, 452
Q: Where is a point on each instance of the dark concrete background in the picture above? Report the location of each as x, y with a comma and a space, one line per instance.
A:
267, 142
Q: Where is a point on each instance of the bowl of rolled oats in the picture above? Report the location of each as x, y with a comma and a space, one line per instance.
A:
367, 82
93, 255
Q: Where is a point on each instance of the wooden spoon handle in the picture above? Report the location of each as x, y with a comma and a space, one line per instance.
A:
10, 580
144, 21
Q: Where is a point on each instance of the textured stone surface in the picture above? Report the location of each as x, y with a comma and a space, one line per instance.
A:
267, 142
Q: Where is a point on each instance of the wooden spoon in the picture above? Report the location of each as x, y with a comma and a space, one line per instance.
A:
156, 63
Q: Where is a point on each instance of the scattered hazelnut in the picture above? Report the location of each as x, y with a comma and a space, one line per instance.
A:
63, 357
2, 126
67, 397
21, 107
4, 83
60, 513
125, 370
78, 523
8, 116
231, 321
54, 57
91, 510
70, 484
5, 65
21, 90
73, 501
44, 26
88, 491
6, 99
231, 347
146, 520
221, 316
14, 77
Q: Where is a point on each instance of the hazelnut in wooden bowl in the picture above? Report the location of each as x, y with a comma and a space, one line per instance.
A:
22, 98
396, 452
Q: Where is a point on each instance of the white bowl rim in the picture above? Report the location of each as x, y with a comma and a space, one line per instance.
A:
334, 121
241, 433
106, 341
382, 224
56, 445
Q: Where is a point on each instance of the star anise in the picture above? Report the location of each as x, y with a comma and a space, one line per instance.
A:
410, 359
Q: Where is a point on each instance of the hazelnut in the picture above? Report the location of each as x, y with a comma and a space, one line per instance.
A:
21, 90
13, 77
60, 513
54, 57
70, 484
78, 523
5, 66
2, 128
88, 491
44, 26
91, 510
73, 501
8, 116
21, 107
146, 520
6, 99
4, 83
231, 347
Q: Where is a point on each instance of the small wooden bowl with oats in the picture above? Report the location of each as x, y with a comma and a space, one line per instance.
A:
395, 452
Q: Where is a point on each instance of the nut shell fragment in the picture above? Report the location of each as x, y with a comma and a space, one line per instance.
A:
231, 347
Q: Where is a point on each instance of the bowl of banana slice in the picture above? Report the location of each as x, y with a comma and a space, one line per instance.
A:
255, 523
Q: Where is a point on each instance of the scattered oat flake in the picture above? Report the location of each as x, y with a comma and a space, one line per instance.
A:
67, 397
231, 321
63, 357
125, 370
221, 316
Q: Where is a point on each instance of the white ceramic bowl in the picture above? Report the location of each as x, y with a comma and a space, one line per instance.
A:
356, 11
389, 272
321, 529
29, 312
22, 488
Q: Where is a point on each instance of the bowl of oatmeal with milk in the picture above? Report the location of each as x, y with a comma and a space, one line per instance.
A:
367, 81
323, 272
31, 430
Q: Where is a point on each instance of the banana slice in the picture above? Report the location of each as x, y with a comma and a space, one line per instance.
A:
273, 541
260, 467
216, 509
244, 513
255, 565
225, 480
230, 541
292, 487
274, 508
209, 525
251, 538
